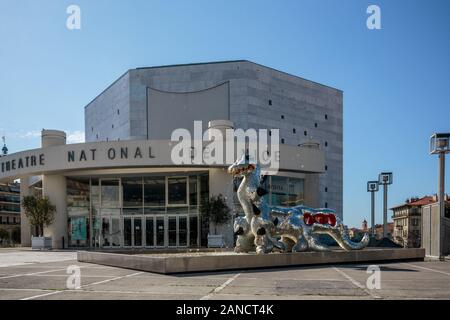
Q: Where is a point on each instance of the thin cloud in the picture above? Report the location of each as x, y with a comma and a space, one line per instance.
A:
30, 134
75, 136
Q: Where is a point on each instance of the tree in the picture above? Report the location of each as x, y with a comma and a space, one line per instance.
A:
215, 210
39, 211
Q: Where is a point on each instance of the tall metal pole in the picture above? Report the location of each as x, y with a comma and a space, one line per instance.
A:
372, 215
441, 199
441, 188
385, 186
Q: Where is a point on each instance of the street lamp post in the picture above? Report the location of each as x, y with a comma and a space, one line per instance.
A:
372, 187
385, 178
439, 144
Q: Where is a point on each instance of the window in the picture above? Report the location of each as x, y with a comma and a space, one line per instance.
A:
315, 124
154, 191
118, 111
112, 126
182, 231
305, 133
79, 230
326, 189
204, 188
193, 191
172, 232
193, 231
326, 168
270, 102
293, 130
283, 191
326, 144
77, 197
132, 192
110, 193
295, 191
95, 195
326, 204
177, 193
282, 140
149, 231
278, 191
270, 133
282, 116
326, 117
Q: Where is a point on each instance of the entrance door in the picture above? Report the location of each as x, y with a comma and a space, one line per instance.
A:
105, 238
172, 231
127, 232
160, 231
137, 231
150, 231
96, 227
110, 231
132, 231
182, 231
115, 232
177, 231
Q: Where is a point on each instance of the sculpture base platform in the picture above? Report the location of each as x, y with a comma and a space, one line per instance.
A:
167, 263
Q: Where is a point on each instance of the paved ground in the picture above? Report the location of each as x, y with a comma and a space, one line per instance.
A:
25, 274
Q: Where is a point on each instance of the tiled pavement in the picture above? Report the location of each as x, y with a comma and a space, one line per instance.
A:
26, 274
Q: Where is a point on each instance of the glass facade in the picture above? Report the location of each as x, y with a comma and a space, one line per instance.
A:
153, 211
282, 191
78, 211
136, 211
286, 192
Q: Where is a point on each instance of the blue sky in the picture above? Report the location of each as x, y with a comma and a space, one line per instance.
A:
395, 80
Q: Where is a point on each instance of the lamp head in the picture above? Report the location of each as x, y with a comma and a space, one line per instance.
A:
440, 143
385, 178
372, 186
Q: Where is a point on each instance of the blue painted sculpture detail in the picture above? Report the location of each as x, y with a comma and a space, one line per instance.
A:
288, 229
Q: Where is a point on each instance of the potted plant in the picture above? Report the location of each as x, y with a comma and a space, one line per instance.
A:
216, 211
40, 213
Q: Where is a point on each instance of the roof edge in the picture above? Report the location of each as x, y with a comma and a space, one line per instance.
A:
211, 62
104, 90
235, 61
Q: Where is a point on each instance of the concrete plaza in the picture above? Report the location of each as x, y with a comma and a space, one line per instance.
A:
26, 274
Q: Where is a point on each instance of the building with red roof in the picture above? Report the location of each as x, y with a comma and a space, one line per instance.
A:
407, 219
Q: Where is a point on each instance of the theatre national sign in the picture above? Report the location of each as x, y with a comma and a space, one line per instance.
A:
112, 154
130, 154
95, 155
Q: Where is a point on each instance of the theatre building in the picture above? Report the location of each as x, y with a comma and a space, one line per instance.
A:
122, 189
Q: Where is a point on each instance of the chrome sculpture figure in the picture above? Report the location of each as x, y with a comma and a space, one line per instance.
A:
252, 230
298, 226
245, 241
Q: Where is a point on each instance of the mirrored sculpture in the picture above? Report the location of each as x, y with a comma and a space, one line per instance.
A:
286, 229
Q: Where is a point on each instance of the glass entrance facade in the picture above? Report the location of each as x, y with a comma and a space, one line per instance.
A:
151, 211
282, 191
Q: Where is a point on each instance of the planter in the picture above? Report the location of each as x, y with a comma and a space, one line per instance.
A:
215, 241
41, 242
